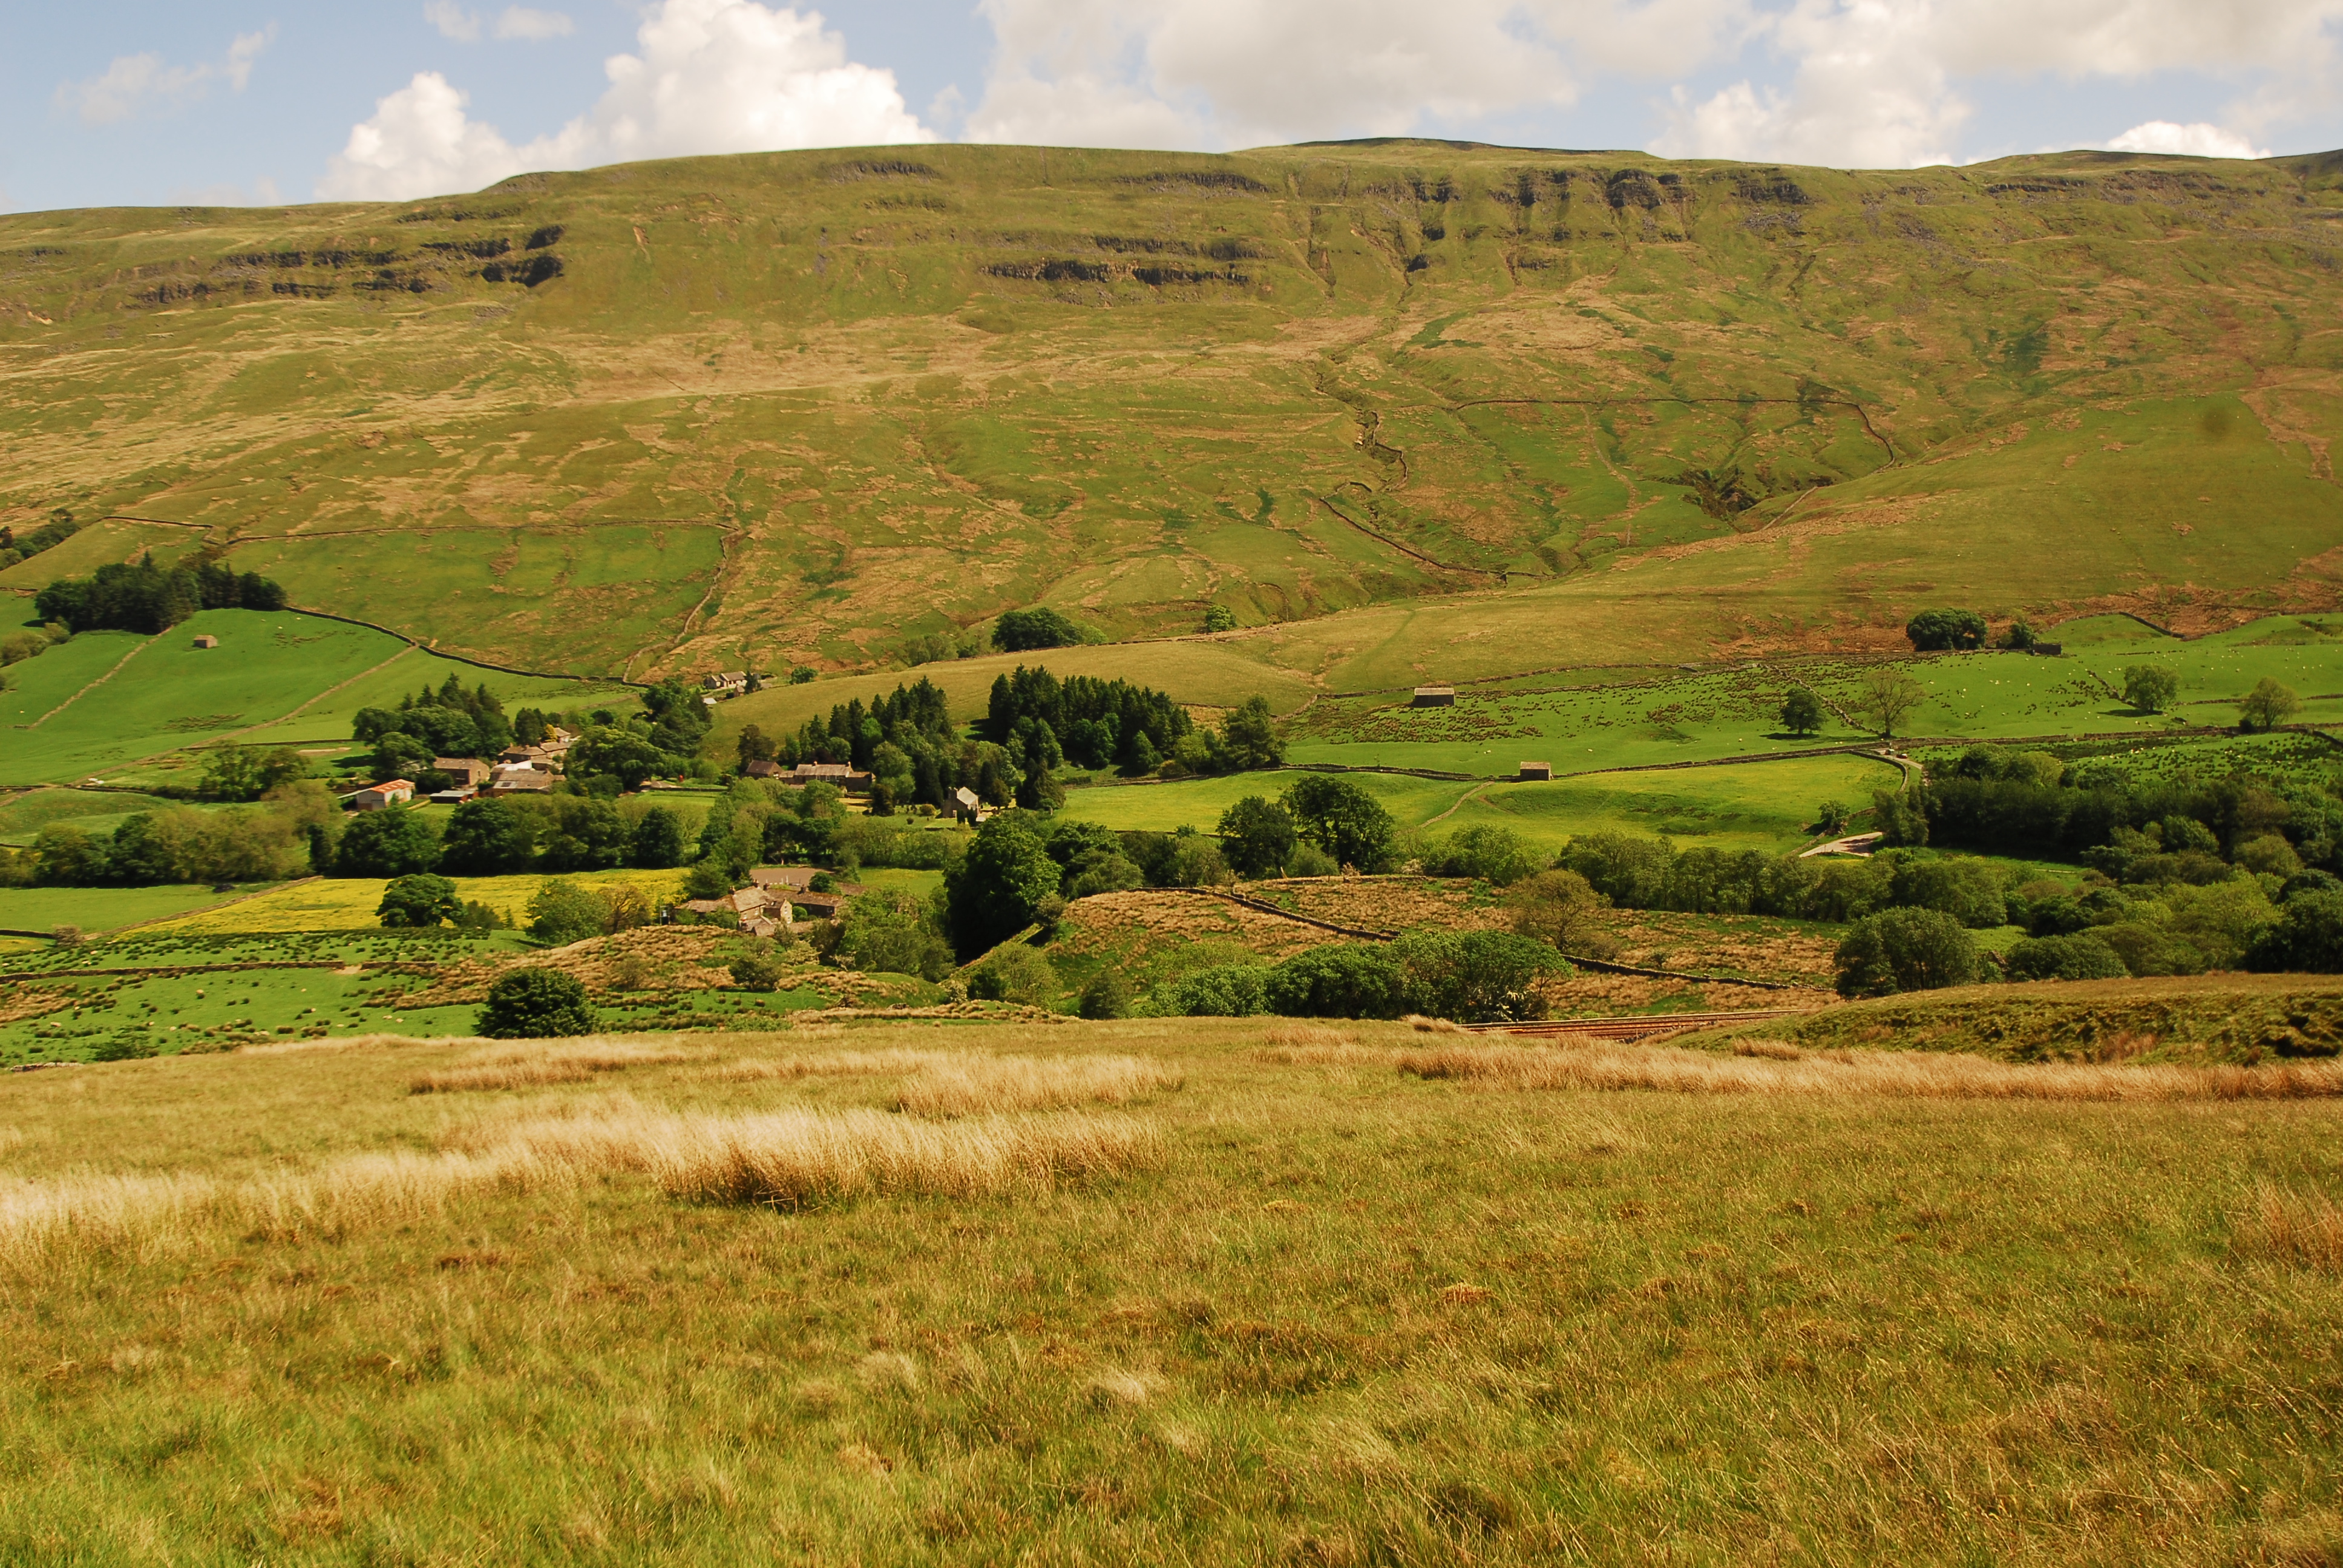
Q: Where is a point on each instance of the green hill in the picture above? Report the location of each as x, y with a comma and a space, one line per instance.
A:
1407, 408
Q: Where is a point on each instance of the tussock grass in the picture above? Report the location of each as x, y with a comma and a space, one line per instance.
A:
835, 1064
2304, 1228
968, 1085
1915, 1074
533, 1063
791, 1158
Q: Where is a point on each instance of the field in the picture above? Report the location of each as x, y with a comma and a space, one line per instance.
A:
1760, 806
1407, 411
1253, 1295
120, 706
347, 903
94, 909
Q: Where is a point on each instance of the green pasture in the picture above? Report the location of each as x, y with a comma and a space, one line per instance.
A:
98, 909
24, 817
107, 703
1198, 802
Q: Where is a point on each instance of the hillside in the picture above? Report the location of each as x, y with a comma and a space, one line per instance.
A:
810, 407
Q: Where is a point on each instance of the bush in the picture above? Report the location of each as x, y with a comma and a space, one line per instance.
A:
1338, 981
1105, 994
1487, 853
1905, 949
563, 912
1476, 977
1220, 618
2308, 938
535, 1004
1014, 973
387, 843
892, 933
756, 972
1019, 631
2079, 957
1223, 991
419, 903
1946, 629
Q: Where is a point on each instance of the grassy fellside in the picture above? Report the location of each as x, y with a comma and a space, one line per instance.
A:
1326, 1312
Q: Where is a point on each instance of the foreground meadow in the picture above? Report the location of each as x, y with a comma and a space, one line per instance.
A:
1165, 1291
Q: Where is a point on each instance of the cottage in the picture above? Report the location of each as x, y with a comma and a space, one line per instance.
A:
463, 772
759, 912
965, 805
837, 773
205, 639
390, 792
1434, 697
1536, 771
821, 906
520, 777
762, 770
527, 755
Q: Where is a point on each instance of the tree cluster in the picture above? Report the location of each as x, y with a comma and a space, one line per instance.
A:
442, 722
1024, 631
262, 843
1946, 630
150, 598
1474, 977
1092, 722
18, 546
1321, 823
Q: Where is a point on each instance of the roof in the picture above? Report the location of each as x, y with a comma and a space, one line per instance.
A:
1434, 690
762, 769
967, 798
784, 876
449, 764
387, 785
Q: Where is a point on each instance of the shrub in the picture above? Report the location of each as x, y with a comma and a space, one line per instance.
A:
1946, 629
419, 903
2309, 936
563, 912
1905, 949
1338, 981
1220, 618
1014, 973
1018, 630
387, 843
536, 1004
755, 971
2079, 957
1487, 853
1222, 991
1105, 994
1476, 977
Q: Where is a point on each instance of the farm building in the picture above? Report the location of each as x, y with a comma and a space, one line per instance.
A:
1533, 770
965, 805
837, 773
455, 795
762, 769
520, 777
465, 772
796, 878
390, 792
1434, 697
205, 639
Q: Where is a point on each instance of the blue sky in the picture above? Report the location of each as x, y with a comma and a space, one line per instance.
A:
255, 101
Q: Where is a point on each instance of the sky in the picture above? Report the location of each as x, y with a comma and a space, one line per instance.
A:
139, 103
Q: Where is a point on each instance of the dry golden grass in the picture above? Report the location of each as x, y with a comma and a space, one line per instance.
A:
834, 1064
2300, 1228
968, 1085
533, 1063
1316, 1045
788, 1157
1911, 1074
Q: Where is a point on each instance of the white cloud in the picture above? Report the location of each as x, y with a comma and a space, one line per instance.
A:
133, 82
2197, 140
453, 21
711, 76
514, 22
1227, 73
525, 22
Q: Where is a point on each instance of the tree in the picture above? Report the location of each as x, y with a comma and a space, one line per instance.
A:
2078, 957
1248, 739
1885, 695
1476, 977
1219, 618
1905, 949
1361, 979
2308, 938
1958, 630
2149, 687
623, 755
419, 903
893, 933
1257, 837
1488, 853
387, 843
237, 772
2267, 705
535, 1003
1802, 711
398, 755
657, 841
563, 912
488, 838
1344, 820
1561, 909
1831, 817
2020, 635
998, 888
1021, 630
1016, 973
755, 745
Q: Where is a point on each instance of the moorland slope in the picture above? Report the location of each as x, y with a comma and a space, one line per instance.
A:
810, 407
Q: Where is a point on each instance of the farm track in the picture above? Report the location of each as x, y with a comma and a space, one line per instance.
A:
113, 671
